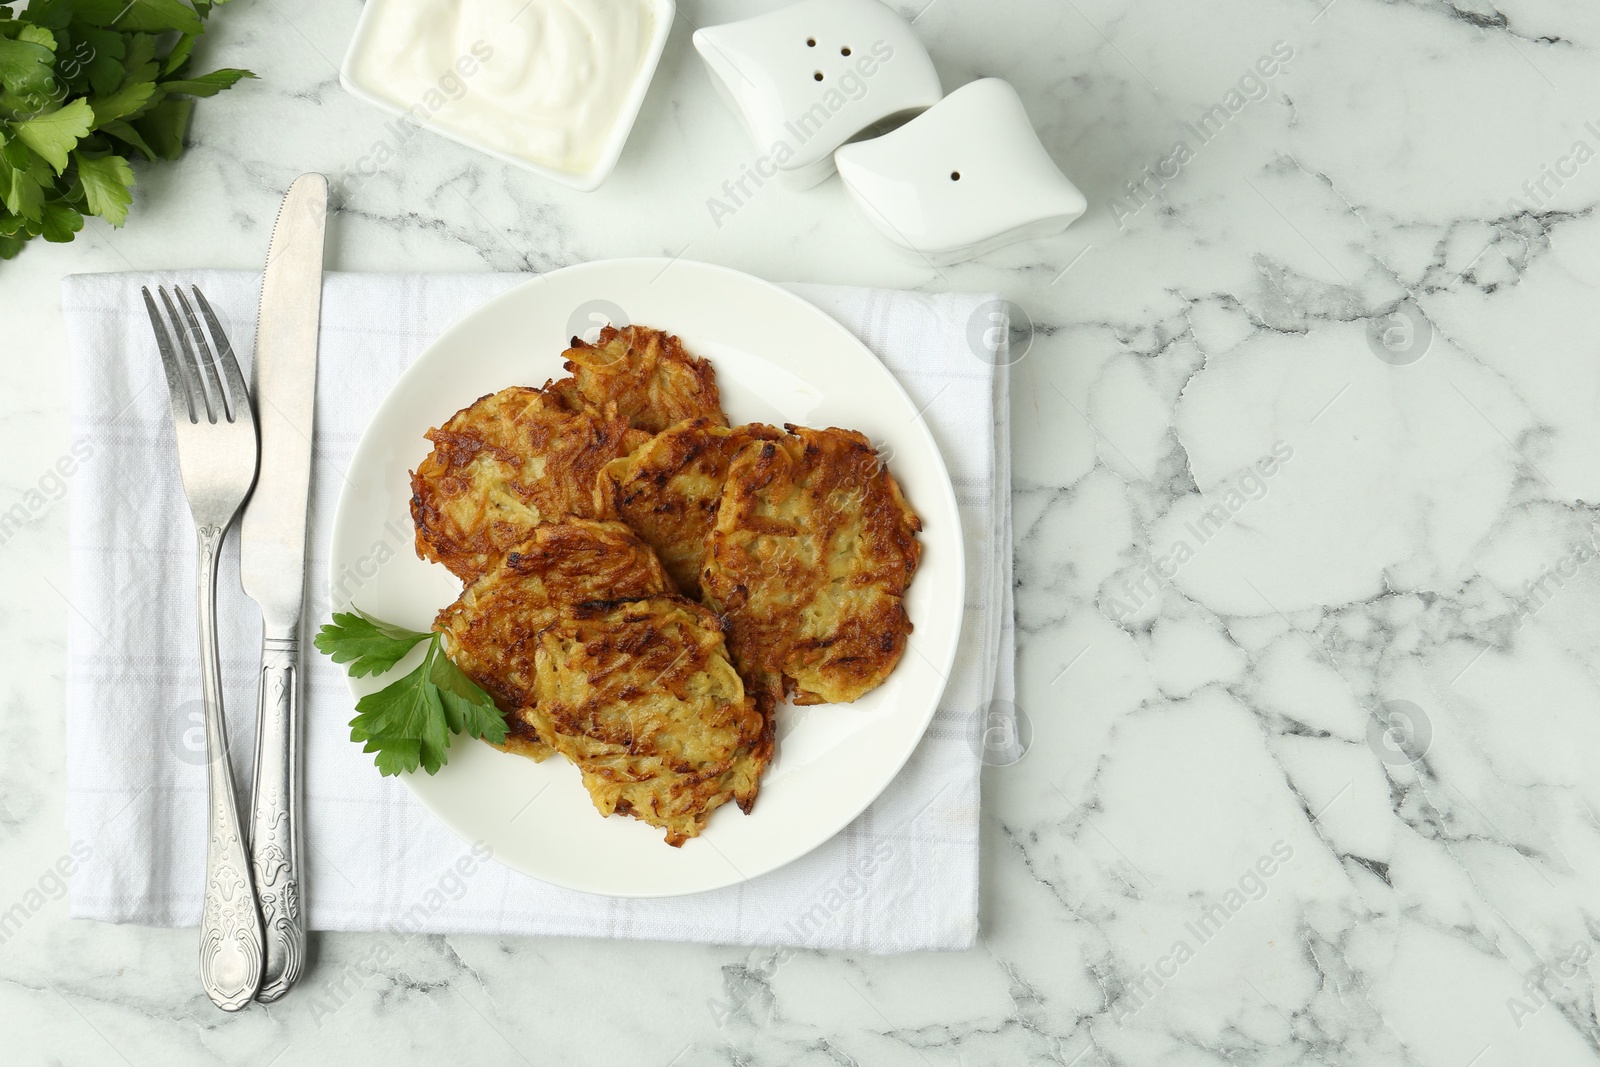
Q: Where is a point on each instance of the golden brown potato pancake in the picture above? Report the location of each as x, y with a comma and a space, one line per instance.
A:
641, 695
502, 465
669, 489
813, 548
651, 380
491, 631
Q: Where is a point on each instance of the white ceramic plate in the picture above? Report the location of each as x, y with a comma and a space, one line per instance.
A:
778, 359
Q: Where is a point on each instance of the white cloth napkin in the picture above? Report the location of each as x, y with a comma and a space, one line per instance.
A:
903, 877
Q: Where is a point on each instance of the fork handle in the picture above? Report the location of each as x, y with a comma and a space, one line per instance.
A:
230, 928
275, 823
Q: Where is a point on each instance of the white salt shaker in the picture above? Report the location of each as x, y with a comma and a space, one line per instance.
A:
966, 176
810, 77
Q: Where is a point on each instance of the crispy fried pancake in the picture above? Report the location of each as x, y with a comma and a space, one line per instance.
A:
647, 374
499, 466
813, 547
669, 489
491, 631
640, 694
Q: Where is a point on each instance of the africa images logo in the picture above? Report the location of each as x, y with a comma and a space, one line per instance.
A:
803, 127
1220, 512
1251, 87
1251, 886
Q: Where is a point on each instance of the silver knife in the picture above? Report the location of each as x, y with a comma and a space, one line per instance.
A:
272, 558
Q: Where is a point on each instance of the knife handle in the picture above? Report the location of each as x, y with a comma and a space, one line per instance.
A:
274, 805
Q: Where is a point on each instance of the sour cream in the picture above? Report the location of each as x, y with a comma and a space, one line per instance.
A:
541, 80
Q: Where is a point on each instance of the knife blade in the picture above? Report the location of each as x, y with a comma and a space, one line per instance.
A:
272, 561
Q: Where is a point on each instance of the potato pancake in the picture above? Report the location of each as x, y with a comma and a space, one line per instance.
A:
813, 548
491, 631
644, 377
669, 489
641, 695
500, 466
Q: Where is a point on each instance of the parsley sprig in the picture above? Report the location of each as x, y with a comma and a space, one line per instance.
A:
409, 722
84, 86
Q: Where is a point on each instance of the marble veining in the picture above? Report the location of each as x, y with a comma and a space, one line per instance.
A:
1305, 484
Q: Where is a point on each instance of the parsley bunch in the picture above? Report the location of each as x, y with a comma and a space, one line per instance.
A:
409, 723
85, 84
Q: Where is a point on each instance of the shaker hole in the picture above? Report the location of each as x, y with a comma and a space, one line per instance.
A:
811, 42
817, 75
845, 50
955, 175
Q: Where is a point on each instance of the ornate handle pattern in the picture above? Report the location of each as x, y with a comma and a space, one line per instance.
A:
230, 928
274, 829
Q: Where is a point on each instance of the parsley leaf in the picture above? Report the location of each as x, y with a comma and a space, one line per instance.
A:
21, 183
56, 133
38, 35
128, 99
97, 54
408, 723
106, 184
467, 708
124, 132
164, 125
207, 84
374, 646
180, 53
151, 16
59, 222
141, 50
25, 66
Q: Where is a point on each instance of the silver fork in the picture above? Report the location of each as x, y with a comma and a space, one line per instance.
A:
217, 455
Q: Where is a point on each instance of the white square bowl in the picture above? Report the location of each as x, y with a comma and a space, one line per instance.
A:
373, 11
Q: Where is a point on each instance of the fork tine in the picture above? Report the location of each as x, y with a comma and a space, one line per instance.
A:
238, 393
210, 386
226, 405
177, 381
172, 325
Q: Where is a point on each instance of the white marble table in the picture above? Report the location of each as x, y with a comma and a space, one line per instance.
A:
1313, 768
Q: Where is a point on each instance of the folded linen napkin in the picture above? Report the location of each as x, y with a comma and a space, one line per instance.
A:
903, 877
